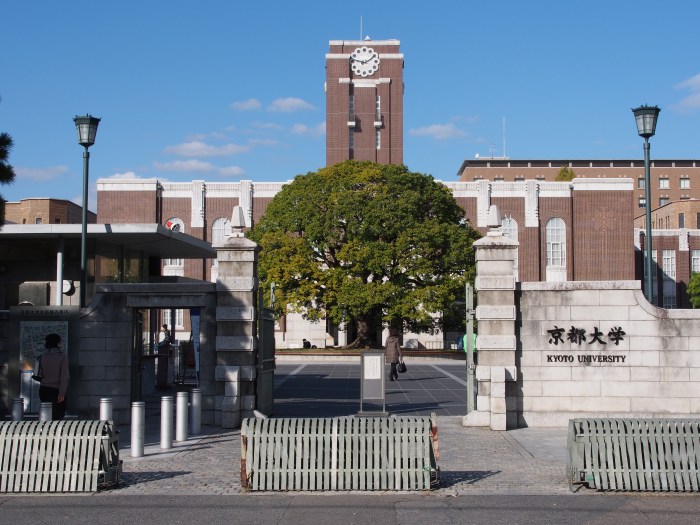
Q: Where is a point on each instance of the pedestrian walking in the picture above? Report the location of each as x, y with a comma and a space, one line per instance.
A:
392, 353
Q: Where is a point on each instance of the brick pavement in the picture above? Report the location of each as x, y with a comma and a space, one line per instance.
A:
472, 461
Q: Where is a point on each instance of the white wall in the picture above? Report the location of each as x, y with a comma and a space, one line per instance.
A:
654, 371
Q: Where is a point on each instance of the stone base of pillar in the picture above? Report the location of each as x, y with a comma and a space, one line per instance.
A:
477, 418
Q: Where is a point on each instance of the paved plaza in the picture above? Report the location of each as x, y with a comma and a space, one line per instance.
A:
472, 460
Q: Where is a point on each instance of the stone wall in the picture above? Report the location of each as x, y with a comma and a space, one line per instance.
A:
634, 359
551, 351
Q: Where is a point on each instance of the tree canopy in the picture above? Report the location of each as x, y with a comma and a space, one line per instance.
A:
7, 173
366, 243
694, 289
566, 174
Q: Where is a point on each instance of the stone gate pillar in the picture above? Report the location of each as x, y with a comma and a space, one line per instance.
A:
236, 329
495, 312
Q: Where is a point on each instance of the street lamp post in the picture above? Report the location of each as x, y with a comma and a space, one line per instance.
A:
646, 117
87, 129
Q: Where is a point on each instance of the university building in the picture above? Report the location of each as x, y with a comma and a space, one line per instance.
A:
577, 231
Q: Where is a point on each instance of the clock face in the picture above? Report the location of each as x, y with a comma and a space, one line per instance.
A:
364, 61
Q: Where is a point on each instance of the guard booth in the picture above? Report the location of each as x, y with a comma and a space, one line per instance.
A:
109, 339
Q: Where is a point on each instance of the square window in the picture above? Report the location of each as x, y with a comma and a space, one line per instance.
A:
641, 183
685, 183
663, 201
642, 202
664, 183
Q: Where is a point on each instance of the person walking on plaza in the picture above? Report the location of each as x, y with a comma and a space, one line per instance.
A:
393, 353
53, 369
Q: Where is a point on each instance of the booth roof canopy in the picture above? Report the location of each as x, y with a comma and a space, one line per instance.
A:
151, 239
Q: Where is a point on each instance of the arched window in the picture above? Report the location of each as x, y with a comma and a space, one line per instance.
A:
218, 228
509, 228
555, 237
174, 266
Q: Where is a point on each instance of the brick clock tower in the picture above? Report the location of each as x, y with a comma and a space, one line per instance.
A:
364, 101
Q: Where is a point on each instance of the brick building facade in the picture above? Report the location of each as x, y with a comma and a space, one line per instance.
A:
675, 229
45, 211
671, 180
567, 231
364, 101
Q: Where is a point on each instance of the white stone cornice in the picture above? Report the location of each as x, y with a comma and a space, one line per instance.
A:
602, 184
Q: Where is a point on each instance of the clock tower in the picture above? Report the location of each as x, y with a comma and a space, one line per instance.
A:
364, 101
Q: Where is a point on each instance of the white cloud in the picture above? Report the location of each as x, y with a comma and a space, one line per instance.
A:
125, 175
267, 125
184, 165
41, 174
289, 104
691, 102
439, 132
262, 142
246, 105
318, 130
232, 171
197, 148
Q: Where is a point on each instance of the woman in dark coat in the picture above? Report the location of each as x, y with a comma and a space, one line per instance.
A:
53, 366
393, 352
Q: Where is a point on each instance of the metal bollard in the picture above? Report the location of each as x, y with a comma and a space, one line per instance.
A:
166, 422
105, 409
18, 409
181, 418
138, 428
196, 412
46, 412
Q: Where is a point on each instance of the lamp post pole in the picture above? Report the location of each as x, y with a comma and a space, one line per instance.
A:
646, 117
647, 192
87, 129
83, 231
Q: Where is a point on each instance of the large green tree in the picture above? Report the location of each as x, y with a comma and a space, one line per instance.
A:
694, 289
366, 243
7, 174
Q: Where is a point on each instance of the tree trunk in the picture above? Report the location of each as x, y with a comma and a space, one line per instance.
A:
363, 324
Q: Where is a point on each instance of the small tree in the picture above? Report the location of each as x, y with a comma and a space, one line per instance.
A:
694, 289
566, 174
368, 244
7, 173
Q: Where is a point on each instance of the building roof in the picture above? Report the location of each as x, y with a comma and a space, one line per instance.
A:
505, 162
151, 239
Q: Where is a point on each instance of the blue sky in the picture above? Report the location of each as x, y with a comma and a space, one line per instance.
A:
230, 90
